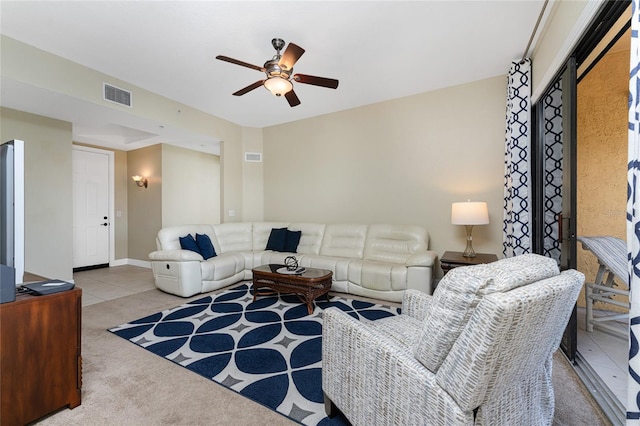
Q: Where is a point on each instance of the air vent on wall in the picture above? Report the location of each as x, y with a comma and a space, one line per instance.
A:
116, 94
255, 157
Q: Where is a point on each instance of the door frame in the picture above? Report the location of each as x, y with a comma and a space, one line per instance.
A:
111, 196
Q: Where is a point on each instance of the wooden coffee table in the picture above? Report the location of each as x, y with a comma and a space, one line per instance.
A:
308, 286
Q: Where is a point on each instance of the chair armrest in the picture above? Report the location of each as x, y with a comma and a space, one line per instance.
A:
423, 258
362, 369
175, 255
416, 304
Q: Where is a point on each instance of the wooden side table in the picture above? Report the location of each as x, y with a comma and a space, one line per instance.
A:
454, 259
41, 368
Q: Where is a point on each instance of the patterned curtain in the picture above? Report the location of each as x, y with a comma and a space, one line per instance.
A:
553, 161
633, 221
517, 225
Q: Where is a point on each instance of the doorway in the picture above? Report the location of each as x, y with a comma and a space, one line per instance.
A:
92, 207
591, 96
602, 155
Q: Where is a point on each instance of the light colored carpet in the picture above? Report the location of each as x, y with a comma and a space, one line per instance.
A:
124, 384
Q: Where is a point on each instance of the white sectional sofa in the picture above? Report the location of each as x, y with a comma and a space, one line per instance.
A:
378, 261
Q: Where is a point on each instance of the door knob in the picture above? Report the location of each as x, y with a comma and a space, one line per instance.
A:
105, 224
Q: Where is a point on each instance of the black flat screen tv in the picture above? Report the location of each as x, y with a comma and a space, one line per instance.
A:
11, 218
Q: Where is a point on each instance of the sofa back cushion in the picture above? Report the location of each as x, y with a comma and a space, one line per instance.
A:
344, 240
460, 291
394, 243
169, 238
262, 231
234, 237
311, 237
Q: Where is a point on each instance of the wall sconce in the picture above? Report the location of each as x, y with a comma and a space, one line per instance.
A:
140, 181
468, 214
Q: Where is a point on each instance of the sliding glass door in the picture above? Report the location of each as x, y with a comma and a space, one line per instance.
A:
554, 177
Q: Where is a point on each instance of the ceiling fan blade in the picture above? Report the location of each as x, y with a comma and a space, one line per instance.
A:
316, 81
249, 88
241, 63
292, 98
290, 56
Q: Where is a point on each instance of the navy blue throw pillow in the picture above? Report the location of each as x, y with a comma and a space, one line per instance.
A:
277, 239
292, 241
188, 243
206, 247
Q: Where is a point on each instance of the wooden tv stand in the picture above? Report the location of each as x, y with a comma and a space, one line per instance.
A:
40, 363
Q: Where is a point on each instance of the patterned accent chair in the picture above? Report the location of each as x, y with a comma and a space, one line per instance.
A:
479, 351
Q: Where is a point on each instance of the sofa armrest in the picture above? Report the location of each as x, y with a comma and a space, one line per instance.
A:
423, 258
416, 304
175, 255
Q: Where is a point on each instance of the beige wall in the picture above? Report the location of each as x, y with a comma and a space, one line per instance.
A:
145, 204
252, 177
232, 182
121, 206
190, 187
602, 156
562, 31
402, 162
48, 191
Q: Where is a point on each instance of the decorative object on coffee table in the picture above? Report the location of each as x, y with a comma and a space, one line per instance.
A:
291, 263
454, 259
468, 214
308, 285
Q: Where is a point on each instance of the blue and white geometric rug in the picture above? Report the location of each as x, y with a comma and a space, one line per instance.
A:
269, 351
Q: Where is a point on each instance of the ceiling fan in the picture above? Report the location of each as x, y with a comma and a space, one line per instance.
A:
278, 70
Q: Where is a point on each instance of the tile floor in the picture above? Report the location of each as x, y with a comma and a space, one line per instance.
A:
100, 285
606, 353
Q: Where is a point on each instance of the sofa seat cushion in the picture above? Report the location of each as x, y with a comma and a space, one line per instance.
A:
223, 266
460, 291
338, 265
378, 276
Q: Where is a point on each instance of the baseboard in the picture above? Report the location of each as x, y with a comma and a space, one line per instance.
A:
132, 262
118, 262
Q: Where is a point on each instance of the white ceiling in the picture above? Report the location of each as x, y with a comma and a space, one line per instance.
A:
378, 50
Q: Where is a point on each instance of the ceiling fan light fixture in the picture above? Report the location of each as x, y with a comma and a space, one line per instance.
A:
278, 85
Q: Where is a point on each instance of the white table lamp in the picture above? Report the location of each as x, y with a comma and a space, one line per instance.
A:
469, 213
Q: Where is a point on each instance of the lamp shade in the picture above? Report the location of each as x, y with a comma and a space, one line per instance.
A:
278, 85
469, 213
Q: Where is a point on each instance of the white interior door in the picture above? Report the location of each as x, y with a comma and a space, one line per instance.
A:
91, 220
